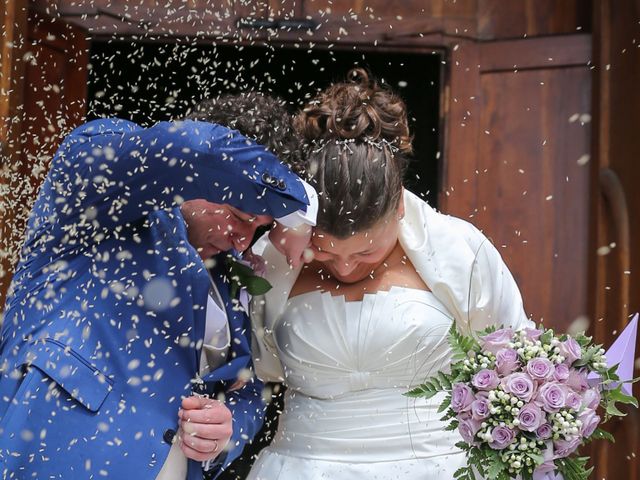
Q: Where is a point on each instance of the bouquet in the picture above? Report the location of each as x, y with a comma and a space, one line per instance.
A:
524, 401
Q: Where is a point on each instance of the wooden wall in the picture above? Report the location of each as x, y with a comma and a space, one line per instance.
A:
348, 21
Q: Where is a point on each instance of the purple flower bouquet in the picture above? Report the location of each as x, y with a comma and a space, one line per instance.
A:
523, 404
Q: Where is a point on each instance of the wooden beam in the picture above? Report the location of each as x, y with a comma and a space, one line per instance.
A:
541, 52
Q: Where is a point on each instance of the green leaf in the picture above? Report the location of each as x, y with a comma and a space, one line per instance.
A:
574, 468
449, 415
614, 411
257, 285
600, 434
242, 275
617, 396
495, 469
538, 459
452, 426
587, 357
582, 339
546, 337
610, 375
445, 380
426, 390
446, 403
461, 345
461, 472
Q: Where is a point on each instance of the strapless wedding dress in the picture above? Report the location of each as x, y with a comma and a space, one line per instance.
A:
346, 367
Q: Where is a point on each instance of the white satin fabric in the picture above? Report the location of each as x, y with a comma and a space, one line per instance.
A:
347, 365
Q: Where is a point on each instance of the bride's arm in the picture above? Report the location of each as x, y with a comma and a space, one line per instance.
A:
263, 350
493, 291
265, 309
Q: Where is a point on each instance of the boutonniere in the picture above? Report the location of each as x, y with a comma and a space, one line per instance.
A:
241, 275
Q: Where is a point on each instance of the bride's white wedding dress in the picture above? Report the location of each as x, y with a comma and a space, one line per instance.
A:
347, 365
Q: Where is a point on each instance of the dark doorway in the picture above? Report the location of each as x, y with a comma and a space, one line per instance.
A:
150, 82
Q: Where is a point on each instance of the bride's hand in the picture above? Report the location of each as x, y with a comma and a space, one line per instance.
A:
294, 243
205, 428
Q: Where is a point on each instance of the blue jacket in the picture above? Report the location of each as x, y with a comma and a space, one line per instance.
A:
104, 322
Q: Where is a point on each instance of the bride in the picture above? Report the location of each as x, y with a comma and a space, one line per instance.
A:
368, 318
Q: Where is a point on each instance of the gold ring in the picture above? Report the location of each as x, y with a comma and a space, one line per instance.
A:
215, 449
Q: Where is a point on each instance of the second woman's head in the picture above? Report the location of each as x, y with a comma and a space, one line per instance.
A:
359, 140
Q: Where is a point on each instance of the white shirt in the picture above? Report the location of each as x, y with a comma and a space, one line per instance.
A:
299, 217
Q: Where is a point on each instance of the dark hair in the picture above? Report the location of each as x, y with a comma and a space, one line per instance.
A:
357, 142
259, 117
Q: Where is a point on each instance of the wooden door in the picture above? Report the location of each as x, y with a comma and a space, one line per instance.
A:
517, 163
51, 76
615, 255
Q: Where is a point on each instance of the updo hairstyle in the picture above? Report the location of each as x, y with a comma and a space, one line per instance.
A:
358, 144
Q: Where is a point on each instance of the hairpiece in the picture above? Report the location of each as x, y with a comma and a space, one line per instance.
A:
344, 144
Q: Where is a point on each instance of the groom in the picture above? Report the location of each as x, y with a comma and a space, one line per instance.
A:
123, 354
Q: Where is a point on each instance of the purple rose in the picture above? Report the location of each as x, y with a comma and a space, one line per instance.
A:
531, 417
533, 334
464, 415
519, 384
570, 350
591, 398
507, 361
461, 397
468, 429
502, 438
564, 448
540, 368
496, 340
551, 397
577, 380
561, 372
544, 431
480, 408
573, 401
590, 422
485, 379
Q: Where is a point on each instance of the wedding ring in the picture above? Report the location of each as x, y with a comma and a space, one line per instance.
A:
215, 449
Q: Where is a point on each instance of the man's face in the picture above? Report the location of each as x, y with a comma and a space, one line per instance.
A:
215, 228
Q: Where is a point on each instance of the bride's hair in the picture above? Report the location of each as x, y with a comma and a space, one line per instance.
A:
358, 141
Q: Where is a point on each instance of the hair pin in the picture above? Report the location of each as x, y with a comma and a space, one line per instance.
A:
345, 144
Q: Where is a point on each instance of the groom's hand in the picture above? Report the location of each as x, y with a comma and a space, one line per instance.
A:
205, 428
292, 242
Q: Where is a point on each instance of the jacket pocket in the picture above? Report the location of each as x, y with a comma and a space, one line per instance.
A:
71, 371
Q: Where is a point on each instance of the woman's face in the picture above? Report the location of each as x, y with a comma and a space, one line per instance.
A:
352, 259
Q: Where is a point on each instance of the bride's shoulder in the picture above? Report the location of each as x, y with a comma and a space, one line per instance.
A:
443, 225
